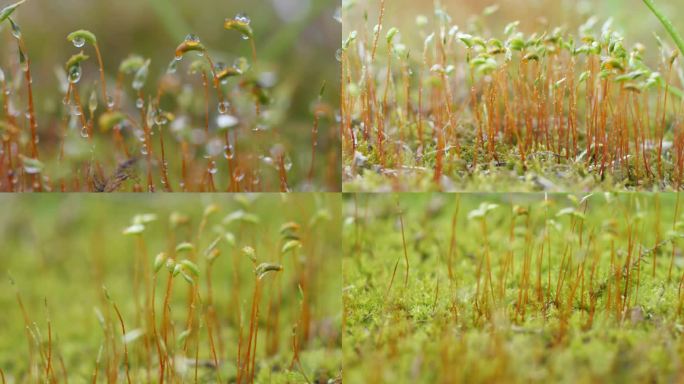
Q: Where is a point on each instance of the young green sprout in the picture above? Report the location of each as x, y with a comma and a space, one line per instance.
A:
79, 39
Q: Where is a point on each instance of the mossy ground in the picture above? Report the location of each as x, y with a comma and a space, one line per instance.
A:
447, 99
64, 249
445, 329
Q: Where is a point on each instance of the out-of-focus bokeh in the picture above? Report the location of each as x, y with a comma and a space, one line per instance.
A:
630, 17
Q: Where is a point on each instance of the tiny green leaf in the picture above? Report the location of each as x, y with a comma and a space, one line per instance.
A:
291, 245
110, 119
8, 10
134, 229
264, 269
239, 23
76, 60
190, 267
184, 247
82, 35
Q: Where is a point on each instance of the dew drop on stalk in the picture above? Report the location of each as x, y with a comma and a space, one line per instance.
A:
160, 118
266, 160
110, 102
23, 62
212, 167
139, 103
226, 121
228, 152
75, 110
223, 107
238, 175
173, 66
75, 74
143, 150
288, 164
78, 42
16, 31
92, 102
84, 132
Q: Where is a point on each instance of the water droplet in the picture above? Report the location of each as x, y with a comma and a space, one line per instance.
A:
75, 74
225, 121
92, 102
110, 102
228, 152
143, 150
75, 110
212, 167
140, 103
173, 66
338, 55
160, 118
223, 107
141, 76
238, 175
267, 160
79, 42
288, 164
192, 38
84, 132
243, 18
16, 31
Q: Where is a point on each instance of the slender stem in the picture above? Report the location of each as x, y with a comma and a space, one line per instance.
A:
102, 78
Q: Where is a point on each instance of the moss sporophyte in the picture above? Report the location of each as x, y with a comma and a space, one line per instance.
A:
524, 284
472, 110
236, 290
166, 133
